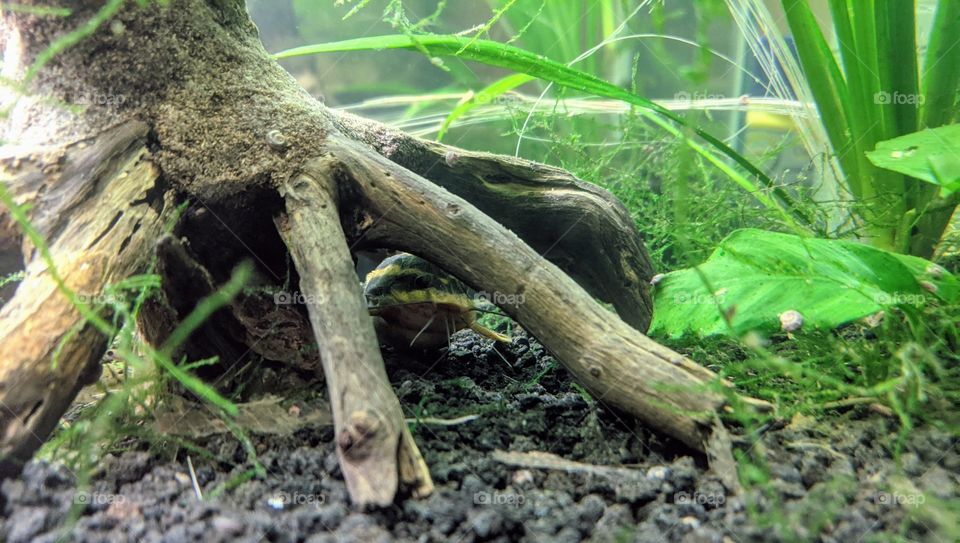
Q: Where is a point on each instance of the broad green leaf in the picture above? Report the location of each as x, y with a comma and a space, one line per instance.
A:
931, 155
946, 170
754, 276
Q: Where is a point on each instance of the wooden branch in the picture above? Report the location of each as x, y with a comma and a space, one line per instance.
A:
34, 393
580, 227
614, 361
99, 215
374, 445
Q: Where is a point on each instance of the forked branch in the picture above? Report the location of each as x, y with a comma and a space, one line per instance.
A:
612, 359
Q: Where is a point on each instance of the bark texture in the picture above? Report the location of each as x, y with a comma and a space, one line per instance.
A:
99, 213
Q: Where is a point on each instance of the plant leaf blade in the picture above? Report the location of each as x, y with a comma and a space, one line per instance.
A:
754, 276
931, 155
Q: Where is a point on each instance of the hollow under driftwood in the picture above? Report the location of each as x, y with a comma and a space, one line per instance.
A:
207, 118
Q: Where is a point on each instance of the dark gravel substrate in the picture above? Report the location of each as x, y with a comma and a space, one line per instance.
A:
835, 482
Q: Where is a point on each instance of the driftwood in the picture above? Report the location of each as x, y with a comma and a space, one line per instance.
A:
606, 355
101, 214
373, 442
550, 461
272, 176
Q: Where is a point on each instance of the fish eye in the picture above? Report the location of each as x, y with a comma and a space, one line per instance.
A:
421, 282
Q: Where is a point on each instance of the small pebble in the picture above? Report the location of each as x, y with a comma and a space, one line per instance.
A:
275, 502
658, 473
522, 476
226, 526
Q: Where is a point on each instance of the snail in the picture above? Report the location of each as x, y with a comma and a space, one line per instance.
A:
416, 304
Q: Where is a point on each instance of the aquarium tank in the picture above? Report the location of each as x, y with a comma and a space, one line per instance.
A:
495, 270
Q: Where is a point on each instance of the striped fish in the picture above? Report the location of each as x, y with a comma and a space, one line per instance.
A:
416, 304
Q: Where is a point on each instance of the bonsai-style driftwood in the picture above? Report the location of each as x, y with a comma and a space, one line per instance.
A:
615, 361
269, 173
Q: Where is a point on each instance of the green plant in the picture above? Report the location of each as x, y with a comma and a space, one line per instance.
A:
931, 155
535, 380
765, 281
12, 278
875, 92
873, 95
521, 61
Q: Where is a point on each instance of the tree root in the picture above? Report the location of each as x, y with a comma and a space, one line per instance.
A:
578, 226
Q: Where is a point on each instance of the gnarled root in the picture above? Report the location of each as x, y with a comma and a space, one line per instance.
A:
578, 226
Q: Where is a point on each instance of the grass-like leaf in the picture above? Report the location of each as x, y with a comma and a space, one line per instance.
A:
488, 93
941, 67
826, 82
521, 61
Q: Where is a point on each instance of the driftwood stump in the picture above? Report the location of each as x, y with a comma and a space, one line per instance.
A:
184, 105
